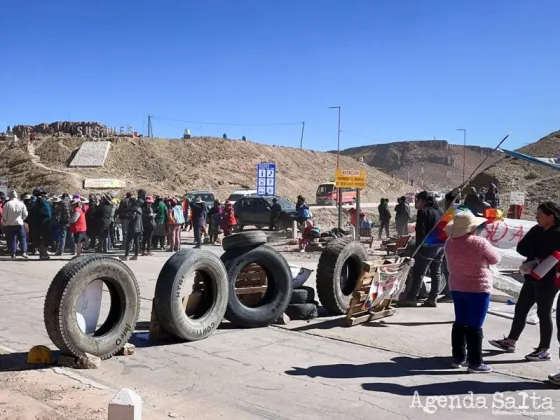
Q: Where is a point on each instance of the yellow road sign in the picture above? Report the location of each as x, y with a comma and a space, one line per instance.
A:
350, 178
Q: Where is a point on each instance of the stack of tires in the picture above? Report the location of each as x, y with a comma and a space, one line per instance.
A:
241, 250
302, 304
338, 271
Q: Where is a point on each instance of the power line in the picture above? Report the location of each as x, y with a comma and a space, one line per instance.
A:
228, 124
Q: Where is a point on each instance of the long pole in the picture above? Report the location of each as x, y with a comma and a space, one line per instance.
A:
337, 167
301, 139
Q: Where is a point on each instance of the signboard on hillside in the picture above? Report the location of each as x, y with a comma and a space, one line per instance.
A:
350, 178
266, 179
517, 198
4, 185
104, 183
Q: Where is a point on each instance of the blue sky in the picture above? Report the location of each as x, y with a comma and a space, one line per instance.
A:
400, 69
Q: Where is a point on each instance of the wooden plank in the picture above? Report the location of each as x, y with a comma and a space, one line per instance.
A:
156, 331
250, 290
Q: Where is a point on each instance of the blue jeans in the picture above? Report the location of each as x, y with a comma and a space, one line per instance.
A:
12, 233
64, 237
466, 334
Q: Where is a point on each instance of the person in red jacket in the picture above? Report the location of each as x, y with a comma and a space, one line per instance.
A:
78, 225
228, 218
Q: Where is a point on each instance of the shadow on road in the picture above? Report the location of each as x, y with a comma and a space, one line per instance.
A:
17, 362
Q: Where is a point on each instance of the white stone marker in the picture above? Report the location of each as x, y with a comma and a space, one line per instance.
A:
127, 405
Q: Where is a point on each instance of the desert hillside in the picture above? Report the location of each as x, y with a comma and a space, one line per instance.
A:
432, 164
538, 182
175, 166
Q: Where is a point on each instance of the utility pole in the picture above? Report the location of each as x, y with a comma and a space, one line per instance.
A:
302, 130
150, 130
339, 195
464, 130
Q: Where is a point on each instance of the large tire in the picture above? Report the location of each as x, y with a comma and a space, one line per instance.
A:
303, 294
302, 311
65, 289
244, 240
168, 298
335, 287
278, 293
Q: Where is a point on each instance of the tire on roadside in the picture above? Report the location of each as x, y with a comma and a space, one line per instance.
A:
302, 311
304, 294
339, 268
244, 240
64, 291
168, 297
278, 292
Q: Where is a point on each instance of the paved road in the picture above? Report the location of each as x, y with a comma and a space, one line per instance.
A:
317, 370
347, 206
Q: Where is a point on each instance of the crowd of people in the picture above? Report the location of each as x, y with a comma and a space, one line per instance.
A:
103, 222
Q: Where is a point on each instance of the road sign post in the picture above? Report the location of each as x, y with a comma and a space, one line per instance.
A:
4, 185
350, 178
266, 179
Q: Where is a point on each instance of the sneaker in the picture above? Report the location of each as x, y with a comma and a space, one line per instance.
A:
482, 368
504, 345
24, 255
44, 257
134, 258
445, 299
13, 256
456, 363
429, 304
124, 258
554, 379
58, 254
539, 355
407, 303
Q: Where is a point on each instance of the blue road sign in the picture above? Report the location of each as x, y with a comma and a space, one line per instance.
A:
266, 179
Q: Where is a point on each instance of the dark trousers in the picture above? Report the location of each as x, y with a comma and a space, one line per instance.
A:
427, 258
132, 237
197, 226
383, 225
466, 334
147, 239
273, 222
541, 292
104, 240
12, 234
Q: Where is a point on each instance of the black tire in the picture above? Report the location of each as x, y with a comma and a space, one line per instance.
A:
302, 311
277, 296
168, 299
244, 240
333, 288
304, 294
65, 289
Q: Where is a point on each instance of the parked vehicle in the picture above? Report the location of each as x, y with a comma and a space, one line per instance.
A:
327, 195
254, 210
206, 196
237, 195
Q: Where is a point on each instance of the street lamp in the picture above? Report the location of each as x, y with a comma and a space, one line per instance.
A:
464, 130
339, 195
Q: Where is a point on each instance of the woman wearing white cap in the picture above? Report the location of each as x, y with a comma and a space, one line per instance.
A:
469, 258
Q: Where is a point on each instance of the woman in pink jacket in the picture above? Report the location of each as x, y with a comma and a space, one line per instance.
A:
469, 258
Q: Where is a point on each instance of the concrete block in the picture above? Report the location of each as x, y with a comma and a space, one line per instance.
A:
282, 320
87, 361
127, 405
91, 154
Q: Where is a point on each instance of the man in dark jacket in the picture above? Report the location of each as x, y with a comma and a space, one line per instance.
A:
472, 201
41, 219
102, 217
124, 216
402, 216
134, 229
275, 210
63, 213
427, 258
492, 196
384, 217
199, 213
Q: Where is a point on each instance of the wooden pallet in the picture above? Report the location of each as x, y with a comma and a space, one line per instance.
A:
357, 312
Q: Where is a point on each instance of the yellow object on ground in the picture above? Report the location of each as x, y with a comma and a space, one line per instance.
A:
39, 355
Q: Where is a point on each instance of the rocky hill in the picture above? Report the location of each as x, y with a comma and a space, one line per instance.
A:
174, 166
538, 182
431, 164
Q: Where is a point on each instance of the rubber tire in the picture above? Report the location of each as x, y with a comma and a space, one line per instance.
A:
277, 296
65, 289
244, 240
329, 270
168, 297
304, 294
302, 311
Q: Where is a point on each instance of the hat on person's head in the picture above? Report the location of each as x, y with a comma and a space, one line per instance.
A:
12, 194
463, 223
149, 199
83, 199
227, 203
55, 199
75, 201
39, 192
27, 197
173, 201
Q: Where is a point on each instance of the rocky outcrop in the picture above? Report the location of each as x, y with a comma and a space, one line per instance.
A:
89, 129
